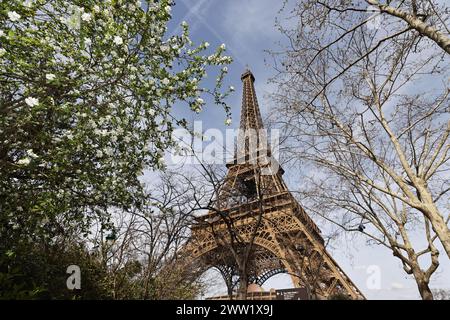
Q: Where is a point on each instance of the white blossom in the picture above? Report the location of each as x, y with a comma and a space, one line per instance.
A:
165, 81
228, 121
222, 46
206, 44
2, 33
200, 100
50, 76
86, 16
31, 153
30, 101
99, 154
2, 51
13, 16
25, 161
118, 40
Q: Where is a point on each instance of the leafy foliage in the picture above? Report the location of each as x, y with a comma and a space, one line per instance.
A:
85, 106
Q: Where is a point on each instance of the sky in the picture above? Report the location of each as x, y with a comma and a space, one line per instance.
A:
247, 28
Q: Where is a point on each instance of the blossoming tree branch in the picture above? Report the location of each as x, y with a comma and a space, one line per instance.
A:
86, 90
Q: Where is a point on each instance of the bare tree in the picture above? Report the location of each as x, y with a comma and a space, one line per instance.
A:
141, 249
365, 109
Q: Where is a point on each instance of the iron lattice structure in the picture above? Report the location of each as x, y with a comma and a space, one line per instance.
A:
285, 239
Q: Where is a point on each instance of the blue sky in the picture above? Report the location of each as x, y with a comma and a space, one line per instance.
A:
246, 37
247, 29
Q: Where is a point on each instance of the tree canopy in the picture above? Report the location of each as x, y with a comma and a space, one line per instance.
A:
86, 91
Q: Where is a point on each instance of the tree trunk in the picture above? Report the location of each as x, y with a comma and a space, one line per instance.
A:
422, 282
243, 284
424, 290
229, 283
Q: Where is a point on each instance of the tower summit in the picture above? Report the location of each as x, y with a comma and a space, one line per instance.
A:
252, 145
250, 114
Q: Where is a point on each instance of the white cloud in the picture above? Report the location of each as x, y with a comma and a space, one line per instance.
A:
251, 21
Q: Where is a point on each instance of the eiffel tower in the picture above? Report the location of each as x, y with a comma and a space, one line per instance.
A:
284, 240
